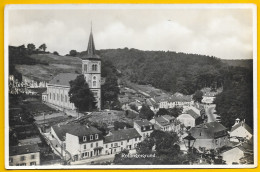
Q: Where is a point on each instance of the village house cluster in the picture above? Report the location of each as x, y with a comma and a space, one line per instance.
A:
75, 142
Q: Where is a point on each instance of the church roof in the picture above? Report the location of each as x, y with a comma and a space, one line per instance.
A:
63, 79
91, 51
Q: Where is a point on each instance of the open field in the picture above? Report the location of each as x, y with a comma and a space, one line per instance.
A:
57, 64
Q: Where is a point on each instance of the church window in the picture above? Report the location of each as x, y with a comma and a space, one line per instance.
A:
65, 98
50, 96
85, 68
53, 96
94, 67
94, 78
57, 96
61, 98
95, 94
94, 83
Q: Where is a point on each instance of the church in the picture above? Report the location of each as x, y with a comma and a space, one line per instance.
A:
58, 88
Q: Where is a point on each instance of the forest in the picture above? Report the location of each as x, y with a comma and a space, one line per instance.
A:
187, 73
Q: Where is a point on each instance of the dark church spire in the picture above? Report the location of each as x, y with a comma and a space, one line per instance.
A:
91, 45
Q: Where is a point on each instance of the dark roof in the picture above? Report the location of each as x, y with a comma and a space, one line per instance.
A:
63, 79
208, 130
168, 117
91, 51
193, 113
242, 124
162, 121
74, 129
124, 134
143, 122
19, 150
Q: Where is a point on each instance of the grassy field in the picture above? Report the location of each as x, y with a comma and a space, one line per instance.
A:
57, 64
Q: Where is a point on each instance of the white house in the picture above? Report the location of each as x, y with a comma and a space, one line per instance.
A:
26, 155
176, 100
144, 127
119, 140
164, 122
241, 154
240, 130
190, 118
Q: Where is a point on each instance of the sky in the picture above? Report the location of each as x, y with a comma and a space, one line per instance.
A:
225, 33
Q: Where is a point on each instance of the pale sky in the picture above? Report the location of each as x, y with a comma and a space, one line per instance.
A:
224, 33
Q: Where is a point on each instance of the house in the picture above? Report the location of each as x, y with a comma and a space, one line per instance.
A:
241, 154
176, 100
83, 141
26, 155
190, 118
58, 88
240, 130
119, 140
210, 135
144, 127
164, 123
44, 96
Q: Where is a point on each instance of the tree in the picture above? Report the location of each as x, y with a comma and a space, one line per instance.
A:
43, 47
110, 90
175, 112
145, 147
81, 95
162, 111
73, 53
31, 48
56, 53
146, 112
197, 97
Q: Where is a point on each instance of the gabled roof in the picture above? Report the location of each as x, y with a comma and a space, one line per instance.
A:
118, 135
208, 130
20, 150
63, 79
143, 122
192, 113
74, 129
168, 117
91, 51
244, 125
162, 121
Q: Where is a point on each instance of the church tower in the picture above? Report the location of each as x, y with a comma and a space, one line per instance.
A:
91, 69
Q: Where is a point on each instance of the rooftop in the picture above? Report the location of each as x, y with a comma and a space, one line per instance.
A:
74, 129
124, 134
63, 79
25, 149
208, 130
143, 122
192, 113
242, 124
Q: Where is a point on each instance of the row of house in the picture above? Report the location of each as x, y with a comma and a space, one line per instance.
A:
83, 141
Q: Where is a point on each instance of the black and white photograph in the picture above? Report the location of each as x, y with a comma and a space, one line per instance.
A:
130, 86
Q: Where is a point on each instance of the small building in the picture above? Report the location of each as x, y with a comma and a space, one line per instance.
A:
176, 100
190, 118
165, 122
241, 154
144, 128
240, 130
83, 141
210, 135
26, 155
119, 140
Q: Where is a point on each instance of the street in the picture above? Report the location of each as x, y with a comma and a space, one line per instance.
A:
209, 110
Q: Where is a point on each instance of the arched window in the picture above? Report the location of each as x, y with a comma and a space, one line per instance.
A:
53, 96
93, 67
85, 68
61, 98
50, 96
94, 78
94, 83
57, 96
